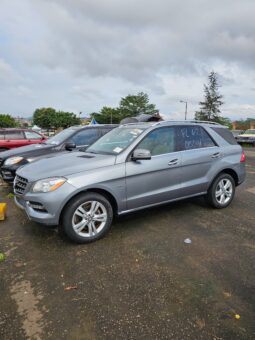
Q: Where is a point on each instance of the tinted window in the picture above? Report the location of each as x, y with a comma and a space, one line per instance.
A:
193, 137
225, 134
14, 135
103, 131
1, 135
32, 135
85, 137
60, 137
159, 141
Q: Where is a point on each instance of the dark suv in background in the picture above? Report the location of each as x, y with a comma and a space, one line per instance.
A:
66, 140
14, 138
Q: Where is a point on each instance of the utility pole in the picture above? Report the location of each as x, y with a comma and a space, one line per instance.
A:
186, 107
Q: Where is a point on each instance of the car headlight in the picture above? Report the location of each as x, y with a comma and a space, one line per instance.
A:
48, 184
13, 160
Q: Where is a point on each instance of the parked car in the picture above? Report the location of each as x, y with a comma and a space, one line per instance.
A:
134, 166
236, 133
248, 137
66, 140
15, 138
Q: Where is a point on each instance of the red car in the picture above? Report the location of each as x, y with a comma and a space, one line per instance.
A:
13, 138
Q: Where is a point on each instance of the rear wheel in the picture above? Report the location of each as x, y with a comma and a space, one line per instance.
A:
221, 192
87, 218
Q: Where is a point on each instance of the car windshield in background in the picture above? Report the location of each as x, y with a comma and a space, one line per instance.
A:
115, 141
60, 137
249, 132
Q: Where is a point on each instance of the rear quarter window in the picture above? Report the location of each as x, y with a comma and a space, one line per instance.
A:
225, 134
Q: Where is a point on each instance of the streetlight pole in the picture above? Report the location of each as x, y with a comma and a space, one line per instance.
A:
186, 107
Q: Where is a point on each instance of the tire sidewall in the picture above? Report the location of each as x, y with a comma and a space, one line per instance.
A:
71, 208
213, 199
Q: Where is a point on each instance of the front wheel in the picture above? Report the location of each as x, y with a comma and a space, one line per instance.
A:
221, 192
87, 218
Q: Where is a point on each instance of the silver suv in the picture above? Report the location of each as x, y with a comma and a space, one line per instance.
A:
132, 167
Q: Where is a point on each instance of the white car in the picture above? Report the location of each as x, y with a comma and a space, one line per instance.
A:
247, 137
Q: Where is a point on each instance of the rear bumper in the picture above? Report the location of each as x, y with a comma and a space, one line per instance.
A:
241, 173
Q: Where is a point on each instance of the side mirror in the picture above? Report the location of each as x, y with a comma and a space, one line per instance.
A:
70, 146
141, 154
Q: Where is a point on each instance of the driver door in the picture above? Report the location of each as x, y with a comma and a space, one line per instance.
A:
156, 180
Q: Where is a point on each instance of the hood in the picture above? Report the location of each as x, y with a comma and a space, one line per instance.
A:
64, 165
24, 151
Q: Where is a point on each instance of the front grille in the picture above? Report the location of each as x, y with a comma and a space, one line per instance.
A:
20, 184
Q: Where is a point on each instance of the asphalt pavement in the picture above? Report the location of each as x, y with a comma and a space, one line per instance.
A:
141, 281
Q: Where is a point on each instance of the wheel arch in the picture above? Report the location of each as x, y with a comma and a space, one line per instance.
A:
100, 191
228, 171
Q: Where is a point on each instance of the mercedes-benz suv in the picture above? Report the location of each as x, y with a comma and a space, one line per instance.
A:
134, 166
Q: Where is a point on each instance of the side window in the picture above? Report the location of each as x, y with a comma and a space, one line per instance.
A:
32, 135
225, 134
14, 135
85, 137
159, 141
1, 135
193, 137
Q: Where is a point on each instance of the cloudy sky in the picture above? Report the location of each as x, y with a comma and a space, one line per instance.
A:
80, 55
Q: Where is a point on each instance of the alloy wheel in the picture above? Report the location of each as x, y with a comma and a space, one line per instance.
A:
224, 191
89, 219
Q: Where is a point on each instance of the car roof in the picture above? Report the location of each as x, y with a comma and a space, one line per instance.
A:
17, 129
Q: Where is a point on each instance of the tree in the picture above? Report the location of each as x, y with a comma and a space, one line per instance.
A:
133, 105
210, 107
45, 117
108, 115
7, 121
48, 118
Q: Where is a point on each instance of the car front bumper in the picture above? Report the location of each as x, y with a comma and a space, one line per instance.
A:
45, 208
8, 175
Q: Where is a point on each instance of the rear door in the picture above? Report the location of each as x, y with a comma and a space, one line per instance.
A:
199, 152
14, 139
158, 179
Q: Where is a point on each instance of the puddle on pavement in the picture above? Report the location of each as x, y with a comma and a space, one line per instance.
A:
27, 301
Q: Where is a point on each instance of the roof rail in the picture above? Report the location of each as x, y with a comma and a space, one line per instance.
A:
186, 121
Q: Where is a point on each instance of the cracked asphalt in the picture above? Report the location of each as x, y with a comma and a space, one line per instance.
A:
141, 281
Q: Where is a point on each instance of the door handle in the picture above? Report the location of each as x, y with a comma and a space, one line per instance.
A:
173, 162
216, 155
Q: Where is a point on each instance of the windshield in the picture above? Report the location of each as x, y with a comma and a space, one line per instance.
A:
115, 141
60, 137
249, 132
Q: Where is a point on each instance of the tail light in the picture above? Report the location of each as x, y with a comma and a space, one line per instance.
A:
243, 158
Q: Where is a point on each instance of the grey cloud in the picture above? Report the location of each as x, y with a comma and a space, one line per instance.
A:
136, 39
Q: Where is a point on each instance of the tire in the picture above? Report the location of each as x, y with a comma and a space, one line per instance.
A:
87, 218
219, 196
